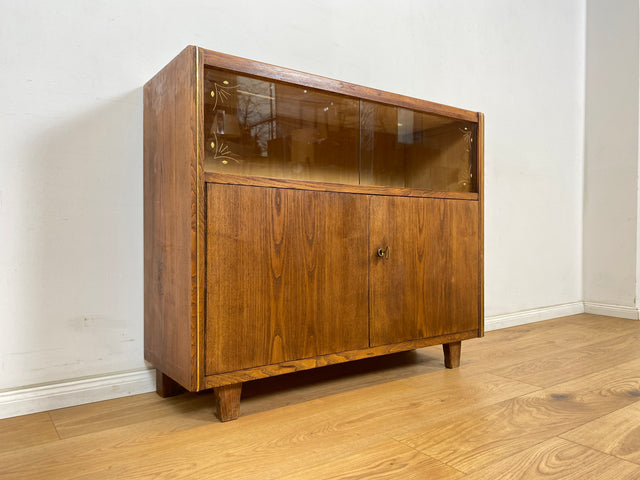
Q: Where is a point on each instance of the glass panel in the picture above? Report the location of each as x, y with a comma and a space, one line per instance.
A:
407, 148
267, 128
261, 127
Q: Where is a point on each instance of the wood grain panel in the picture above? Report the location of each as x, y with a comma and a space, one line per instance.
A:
26, 431
567, 364
170, 218
558, 459
616, 434
530, 343
151, 413
388, 459
473, 441
429, 285
286, 275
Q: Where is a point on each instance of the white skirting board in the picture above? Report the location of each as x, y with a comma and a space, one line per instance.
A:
77, 392
612, 310
496, 322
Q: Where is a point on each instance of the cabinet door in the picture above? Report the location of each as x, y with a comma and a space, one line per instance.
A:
427, 283
284, 281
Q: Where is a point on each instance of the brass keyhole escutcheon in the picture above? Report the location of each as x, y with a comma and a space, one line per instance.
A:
383, 252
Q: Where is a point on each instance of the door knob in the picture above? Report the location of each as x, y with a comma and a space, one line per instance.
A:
383, 252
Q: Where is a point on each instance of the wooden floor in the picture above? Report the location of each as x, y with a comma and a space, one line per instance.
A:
555, 399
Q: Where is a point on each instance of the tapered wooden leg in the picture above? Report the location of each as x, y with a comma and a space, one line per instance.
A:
452, 354
166, 386
228, 398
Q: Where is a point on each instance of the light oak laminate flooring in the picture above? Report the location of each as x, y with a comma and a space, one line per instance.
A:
558, 399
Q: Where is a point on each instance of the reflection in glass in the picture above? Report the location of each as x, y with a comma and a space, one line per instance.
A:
406, 148
273, 129
267, 128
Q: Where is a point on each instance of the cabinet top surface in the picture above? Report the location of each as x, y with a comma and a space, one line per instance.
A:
210, 58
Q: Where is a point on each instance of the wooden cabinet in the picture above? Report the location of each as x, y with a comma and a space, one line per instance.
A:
293, 221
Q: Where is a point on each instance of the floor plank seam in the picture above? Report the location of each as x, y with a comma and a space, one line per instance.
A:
421, 453
55, 427
503, 459
560, 436
561, 381
595, 449
592, 373
594, 420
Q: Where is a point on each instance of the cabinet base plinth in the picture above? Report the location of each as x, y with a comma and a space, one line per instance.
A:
452, 354
166, 386
228, 400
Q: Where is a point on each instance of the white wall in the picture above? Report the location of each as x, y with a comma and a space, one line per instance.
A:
611, 153
71, 76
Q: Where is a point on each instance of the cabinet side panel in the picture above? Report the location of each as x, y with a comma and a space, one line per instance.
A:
286, 275
170, 219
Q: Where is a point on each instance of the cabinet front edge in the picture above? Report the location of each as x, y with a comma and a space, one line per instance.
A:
253, 181
229, 378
